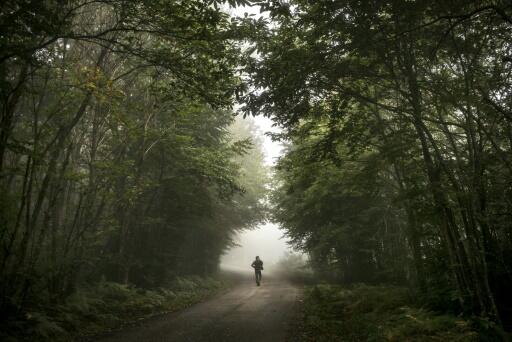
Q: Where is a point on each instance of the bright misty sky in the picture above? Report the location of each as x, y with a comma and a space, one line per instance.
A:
265, 241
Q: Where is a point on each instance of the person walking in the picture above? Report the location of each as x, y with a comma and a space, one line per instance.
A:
258, 267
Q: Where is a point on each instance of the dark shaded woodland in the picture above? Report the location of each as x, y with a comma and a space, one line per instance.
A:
398, 116
119, 162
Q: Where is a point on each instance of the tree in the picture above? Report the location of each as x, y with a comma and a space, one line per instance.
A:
116, 159
410, 83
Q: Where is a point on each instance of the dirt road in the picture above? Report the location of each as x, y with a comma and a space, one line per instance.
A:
245, 313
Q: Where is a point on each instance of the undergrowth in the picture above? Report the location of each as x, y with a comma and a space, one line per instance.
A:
376, 313
106, 306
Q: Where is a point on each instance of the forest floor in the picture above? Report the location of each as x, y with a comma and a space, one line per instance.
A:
375, 313
109, 307
230, 307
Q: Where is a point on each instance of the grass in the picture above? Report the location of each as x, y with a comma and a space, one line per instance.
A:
376, 313
107, 306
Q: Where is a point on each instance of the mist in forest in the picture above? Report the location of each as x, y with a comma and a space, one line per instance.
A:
142, 143
266, 241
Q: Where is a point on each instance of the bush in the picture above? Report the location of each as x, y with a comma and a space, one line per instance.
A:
295, 267
105, 306
376, 313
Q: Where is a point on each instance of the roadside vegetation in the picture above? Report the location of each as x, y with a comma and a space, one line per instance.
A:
379, 313
106, 306
295, 267
396, 117
329, 311
121, 169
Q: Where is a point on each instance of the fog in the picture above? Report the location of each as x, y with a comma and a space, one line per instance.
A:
266, 241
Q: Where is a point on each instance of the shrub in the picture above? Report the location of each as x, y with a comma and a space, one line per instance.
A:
107, 305
376, 313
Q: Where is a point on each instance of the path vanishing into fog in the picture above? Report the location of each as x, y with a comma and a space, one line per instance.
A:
244, 313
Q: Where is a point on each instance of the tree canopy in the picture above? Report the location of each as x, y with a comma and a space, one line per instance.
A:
121, 159
118, 159
398, 120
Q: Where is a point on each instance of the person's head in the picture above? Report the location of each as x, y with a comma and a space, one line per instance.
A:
257, 257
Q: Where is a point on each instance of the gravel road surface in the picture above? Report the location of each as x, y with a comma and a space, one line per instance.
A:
245, 313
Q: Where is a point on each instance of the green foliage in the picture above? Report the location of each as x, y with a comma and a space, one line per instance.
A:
339, 215
117, 162
295, 267
107, 305
397, 117
376, 313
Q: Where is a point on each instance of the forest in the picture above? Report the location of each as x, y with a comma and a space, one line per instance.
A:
398, 169
123, 163
119, 160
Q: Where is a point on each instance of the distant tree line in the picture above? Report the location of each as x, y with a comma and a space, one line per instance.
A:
117, 156
398, 117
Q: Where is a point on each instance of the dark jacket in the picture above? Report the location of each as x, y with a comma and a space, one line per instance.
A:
257, 265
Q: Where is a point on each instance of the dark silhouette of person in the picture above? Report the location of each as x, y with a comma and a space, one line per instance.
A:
258, 267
